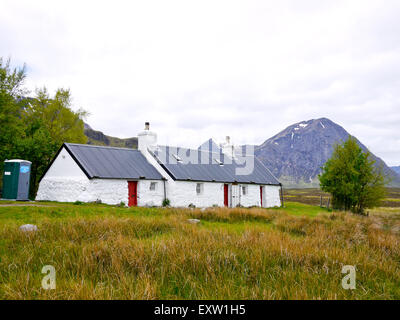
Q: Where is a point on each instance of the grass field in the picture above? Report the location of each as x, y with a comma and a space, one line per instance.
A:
104, 252
313, 197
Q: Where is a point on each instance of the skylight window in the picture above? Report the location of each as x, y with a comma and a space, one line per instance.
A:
177, 157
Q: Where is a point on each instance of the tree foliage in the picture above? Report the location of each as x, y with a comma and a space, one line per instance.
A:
34, 128
11, 81
352, 178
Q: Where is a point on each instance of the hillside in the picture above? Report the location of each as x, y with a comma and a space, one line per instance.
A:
98, 138
396, 169
295, 155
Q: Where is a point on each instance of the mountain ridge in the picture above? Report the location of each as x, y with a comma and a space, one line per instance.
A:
396, 169
296, 154
98, 138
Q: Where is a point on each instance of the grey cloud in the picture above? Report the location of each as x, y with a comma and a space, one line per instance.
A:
245, 69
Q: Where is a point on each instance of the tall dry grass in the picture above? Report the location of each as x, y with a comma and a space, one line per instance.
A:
231, 254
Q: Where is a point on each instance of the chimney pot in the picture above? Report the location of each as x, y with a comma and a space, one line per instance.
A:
146, 138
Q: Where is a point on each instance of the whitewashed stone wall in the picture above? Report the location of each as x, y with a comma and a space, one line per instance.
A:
180, 193
252, 198
65, 167
66, 182
183, 193
271, 196
147, 197
110, 191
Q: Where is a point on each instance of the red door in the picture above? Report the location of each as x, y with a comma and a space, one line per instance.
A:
261, 195
226, 188
132, 189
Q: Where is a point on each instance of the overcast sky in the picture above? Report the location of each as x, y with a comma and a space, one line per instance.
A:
201, 69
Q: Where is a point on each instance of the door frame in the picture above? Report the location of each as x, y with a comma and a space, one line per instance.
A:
226, 195
132, 193
235, 193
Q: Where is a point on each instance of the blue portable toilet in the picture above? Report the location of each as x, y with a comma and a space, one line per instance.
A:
16, 179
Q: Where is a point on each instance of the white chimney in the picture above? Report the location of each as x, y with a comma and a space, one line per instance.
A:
146, 138
227, 147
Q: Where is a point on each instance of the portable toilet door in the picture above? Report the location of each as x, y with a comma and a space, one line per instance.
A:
16, 179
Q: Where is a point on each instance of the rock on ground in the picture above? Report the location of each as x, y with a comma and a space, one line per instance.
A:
28, 228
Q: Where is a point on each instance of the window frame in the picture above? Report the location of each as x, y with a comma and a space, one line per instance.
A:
153, 183
199, 188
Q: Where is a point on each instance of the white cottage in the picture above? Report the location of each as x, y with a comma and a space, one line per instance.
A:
209, 176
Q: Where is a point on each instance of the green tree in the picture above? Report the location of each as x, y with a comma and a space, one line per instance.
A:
352, 178
34, 128
11, 81
11, 91
48, 123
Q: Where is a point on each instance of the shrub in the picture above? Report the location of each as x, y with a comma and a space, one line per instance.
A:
352, 178
166, 202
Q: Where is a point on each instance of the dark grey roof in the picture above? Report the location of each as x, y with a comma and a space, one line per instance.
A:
210, 170
112, 163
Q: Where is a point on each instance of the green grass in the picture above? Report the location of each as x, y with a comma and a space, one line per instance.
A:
392, 200
108, 252
301, 209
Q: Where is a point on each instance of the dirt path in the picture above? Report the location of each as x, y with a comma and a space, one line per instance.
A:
24, 205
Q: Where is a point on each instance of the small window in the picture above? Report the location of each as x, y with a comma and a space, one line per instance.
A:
153, 186
244, 190
199, 188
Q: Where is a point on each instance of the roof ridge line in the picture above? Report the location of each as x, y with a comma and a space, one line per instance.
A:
201, 150
94, 146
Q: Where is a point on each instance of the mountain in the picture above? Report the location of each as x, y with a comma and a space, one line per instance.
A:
295, 155
98, 138
209, 145
396, 169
